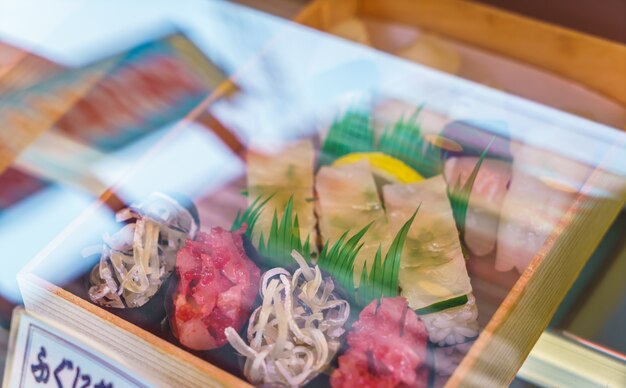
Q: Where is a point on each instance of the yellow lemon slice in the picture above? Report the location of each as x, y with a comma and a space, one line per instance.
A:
383, 165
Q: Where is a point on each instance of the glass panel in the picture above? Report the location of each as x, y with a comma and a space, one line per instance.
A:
332, 214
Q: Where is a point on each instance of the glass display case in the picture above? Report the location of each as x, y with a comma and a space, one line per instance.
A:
313, 212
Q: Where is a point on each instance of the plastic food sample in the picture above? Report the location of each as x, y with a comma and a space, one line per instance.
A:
136, 260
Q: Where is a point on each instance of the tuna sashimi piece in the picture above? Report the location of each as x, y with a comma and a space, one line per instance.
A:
543, 187
282, 174
217, 285
387, 348
483, 213
348, 201
432, 268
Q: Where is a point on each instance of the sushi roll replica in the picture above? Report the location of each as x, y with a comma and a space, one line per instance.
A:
136, 260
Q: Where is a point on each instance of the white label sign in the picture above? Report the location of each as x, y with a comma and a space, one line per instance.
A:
43, 355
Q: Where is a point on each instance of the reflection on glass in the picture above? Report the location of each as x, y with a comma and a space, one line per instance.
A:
353, 210
72, 132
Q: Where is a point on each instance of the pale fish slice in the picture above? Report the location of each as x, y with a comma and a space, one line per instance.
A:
348, 201
543, 188
283, 173
432, 268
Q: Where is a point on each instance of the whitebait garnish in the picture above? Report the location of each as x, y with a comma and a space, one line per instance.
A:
136, 260
296, 331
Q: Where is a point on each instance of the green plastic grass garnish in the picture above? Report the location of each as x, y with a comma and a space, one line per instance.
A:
354, 132
459, 195
284, 235
382, 281
351, 132
443, 305
250, 215
338, 258
404, 141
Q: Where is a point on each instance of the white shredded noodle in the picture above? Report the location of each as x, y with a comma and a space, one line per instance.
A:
295, 332
136, 260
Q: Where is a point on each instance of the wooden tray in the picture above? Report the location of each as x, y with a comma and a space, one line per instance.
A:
511, 323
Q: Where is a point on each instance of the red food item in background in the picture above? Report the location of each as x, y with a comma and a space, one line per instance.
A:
388, 346
217, 286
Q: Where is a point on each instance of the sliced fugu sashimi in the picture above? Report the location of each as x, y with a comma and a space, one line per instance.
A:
543, 187
348, 201
286, 173
483, 213
432, 268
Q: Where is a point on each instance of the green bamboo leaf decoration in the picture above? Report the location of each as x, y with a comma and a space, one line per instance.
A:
354, 132
392, 259
404, 141
261, 247
250, 215
459, 194
272, 239
362, 294
351, 132
284, 235
338, 259
376, 277
444, 305
382, 280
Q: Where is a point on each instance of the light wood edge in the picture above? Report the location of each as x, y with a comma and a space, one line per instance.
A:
517, 324
596, 63
161, 346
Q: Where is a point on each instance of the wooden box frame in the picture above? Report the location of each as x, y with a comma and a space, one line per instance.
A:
493, 359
